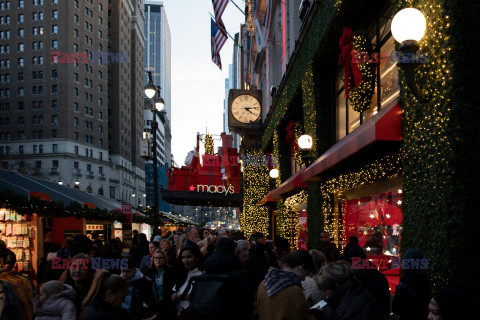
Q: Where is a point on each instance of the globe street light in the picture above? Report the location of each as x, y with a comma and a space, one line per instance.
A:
274, 173
305, 142
408, 28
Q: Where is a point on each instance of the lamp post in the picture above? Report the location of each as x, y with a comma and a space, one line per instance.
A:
305, 143
408, 27
153, 93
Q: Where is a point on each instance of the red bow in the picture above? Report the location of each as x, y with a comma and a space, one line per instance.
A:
291, 136
345, 59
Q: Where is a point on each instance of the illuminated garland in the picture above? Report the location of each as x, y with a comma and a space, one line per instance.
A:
309, 110
360, 98
297, 155
291, 228
385, 168
208, 144
255, 187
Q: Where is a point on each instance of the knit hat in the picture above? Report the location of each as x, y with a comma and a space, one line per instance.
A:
157, 238
413, 254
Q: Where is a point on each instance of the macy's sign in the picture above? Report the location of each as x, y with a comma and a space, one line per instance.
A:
215, 189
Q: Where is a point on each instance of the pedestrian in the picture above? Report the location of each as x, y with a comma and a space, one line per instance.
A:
371, 279
7, 257
188, 265
412, 294
309, 285
235, 302
345, 296
134, 237
242, 250
79, 276
143, 244
163, 281
104, 300
176, 238
282, 249
327, 247
55, 302
146, 260
280, 295
352, 243
166, 245
449, 304
139, 300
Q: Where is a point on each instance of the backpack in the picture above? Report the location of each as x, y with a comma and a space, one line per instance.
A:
207, 296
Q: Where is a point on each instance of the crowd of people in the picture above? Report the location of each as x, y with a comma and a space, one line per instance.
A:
205, 274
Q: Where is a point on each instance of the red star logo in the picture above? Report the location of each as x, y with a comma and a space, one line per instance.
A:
191, 188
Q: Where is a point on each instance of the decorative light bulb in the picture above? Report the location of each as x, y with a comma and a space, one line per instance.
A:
408, 24
305, 142
274, 173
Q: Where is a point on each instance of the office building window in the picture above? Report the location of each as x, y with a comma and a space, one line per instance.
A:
55, 148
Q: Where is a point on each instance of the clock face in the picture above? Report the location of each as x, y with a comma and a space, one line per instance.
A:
246, 108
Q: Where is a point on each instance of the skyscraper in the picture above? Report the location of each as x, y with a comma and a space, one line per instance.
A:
61, 117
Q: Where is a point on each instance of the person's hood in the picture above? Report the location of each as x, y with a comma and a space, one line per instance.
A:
222, 262
67, 293
138, 275
276, 280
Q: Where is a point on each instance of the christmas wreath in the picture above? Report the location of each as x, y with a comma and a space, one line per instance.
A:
361, 96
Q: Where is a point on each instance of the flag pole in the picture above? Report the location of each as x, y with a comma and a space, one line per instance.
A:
238, 7
225, 29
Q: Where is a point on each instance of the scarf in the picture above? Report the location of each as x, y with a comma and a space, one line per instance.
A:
276, 280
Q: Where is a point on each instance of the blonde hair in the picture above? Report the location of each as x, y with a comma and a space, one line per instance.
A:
102, 282
333, 275
318, 258
51, 287
152, 263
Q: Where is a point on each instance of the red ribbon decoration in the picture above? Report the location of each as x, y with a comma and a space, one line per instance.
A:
345, 59
291, 136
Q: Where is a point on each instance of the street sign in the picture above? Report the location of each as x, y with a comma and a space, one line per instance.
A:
127, 211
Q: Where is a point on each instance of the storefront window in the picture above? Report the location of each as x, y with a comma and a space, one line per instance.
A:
347, 119
376, 221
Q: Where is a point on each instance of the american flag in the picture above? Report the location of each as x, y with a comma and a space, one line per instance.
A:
219, 7
218, 40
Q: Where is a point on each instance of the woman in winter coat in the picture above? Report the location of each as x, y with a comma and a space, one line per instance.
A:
146, 260
162, 283
280, 295
189, 263
345, 296
55, 302
105, 298
80, 277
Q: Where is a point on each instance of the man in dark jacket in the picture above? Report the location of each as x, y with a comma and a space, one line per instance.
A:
140, 292
328, 248
371, 279
235, 302
345, 296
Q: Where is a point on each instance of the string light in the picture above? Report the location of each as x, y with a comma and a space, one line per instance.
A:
208, 144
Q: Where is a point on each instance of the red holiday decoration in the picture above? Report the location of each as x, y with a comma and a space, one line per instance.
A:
345, 59
291, 136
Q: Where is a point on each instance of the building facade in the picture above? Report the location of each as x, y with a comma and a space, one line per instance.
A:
59, 118
385, 166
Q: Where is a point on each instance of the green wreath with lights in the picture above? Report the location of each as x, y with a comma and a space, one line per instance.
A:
361, 97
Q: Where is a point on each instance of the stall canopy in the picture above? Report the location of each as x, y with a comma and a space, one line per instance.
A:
21, 184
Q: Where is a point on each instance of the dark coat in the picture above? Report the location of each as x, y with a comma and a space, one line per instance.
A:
142, 293
352, 302
412, 296
164, 308
375, 283
100, 310
236, 303
8, 256
330, 251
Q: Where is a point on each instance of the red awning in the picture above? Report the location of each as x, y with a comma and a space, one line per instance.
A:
291, 185
384, 126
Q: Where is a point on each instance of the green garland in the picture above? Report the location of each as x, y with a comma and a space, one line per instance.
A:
360, 98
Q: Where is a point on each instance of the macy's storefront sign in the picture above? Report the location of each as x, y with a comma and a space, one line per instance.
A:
213, 189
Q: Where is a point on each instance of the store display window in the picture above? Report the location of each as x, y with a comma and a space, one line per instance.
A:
376, 221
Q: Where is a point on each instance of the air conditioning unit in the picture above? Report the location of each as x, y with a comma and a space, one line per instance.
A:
302, 11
